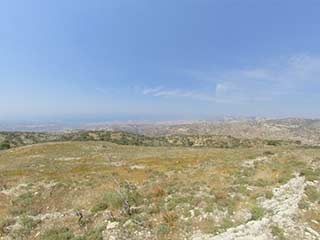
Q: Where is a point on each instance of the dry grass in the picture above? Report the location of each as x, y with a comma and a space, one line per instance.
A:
71, 176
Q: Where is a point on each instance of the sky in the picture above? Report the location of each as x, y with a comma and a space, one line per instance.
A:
168, 59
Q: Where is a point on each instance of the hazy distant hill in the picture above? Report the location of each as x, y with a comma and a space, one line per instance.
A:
296, 129
305, 130
16, 139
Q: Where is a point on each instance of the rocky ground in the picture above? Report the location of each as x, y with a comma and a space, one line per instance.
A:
104, 191
282, 213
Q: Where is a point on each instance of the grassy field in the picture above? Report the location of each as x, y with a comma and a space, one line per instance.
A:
97, 190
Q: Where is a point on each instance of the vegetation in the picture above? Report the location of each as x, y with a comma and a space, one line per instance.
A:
58, 233
16, 139
278, 232
125, 197
313, 194
93, 188
256, 212
4, 145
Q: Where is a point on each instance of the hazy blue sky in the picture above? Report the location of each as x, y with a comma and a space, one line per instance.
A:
161, 59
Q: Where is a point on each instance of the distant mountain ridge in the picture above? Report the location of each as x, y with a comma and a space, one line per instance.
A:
17, 139
296, 129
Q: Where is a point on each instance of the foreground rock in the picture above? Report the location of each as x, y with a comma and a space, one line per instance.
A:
281, 211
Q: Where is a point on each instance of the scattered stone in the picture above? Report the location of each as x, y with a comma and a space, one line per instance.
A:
243, 215
137, 167
282, 210
313, 232
112, 225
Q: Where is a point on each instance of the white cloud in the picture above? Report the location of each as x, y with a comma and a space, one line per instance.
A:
151, 91
280, 79
223, 87
162, 92
293, 76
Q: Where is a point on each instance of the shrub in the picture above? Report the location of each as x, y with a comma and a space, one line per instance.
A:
273, 142
310, 174
208, 226
124, 198
313, 194
262, 182
111, 200
28, 224
268, 153
256, 212
269, 194
303, 204
170, 218
163, 229
227, 223
158, 192
4, 145
277, 232
58, 234
23, 204
95, 234
4, 223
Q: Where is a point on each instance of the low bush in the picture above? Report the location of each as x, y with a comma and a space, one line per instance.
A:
111, 200
95, 234
58, 234
4, 223
170, 218
28, 224
311, 174
4, 145
313, 194
163, 229
277, 232
124, 198
256, 212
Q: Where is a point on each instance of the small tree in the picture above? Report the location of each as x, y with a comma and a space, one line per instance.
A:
4, 145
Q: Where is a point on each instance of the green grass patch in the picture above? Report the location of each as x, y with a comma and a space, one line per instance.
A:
257, 212
58, 234
277, 232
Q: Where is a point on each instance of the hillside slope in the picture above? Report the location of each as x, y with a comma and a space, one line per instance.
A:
16, 139
97, 190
